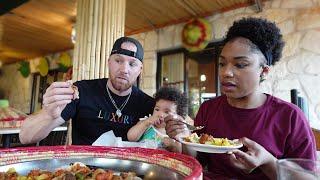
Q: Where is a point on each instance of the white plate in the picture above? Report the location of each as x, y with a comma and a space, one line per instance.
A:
212, 148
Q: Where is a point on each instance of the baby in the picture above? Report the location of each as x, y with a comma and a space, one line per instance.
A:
169, 100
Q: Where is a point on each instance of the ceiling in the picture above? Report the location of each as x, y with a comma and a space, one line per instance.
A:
41, 27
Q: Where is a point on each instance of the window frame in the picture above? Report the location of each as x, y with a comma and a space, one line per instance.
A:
213, 45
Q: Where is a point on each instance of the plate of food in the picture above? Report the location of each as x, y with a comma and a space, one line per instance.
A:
96, 162
74, 171
209, 144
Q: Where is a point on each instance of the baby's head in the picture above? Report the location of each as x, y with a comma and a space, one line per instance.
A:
169, 100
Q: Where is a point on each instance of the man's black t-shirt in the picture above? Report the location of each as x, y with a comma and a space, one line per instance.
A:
93, 113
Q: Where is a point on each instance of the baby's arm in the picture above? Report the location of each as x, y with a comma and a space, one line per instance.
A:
135, 133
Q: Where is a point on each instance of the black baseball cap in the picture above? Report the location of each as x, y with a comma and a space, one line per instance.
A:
116, 49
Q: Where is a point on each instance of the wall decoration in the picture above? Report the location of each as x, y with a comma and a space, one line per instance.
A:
43, 66
196, 34
24, 68
64, 62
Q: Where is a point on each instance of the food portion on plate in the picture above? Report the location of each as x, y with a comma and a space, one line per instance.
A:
207, 143
210, 140
77, 171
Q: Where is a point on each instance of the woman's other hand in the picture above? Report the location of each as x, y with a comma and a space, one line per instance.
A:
256, 156
172, 145
175, 128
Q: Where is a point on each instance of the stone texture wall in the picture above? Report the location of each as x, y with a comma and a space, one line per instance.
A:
16, 88
299, 21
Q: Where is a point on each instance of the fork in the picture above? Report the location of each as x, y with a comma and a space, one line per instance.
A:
191, 127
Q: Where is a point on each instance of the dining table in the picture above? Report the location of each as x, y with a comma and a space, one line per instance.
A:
7, 134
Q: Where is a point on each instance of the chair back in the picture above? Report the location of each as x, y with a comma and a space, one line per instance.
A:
316, 134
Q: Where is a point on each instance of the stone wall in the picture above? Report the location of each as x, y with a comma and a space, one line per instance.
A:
16, 88
299, 21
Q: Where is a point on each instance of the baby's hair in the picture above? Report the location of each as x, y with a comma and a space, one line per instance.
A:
174, 95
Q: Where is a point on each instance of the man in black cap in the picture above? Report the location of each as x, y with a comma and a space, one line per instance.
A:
96, 106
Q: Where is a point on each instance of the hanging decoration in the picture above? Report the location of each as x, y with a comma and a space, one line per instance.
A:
43, 66
64, 62
24, 68
196, 34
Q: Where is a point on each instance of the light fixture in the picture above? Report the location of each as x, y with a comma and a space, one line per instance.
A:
73, 34
203, 77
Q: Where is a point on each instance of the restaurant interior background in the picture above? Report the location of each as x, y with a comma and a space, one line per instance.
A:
167, 62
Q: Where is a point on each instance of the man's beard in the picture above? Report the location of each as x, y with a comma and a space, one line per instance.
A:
120, 86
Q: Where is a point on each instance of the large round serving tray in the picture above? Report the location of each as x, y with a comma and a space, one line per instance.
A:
147, 163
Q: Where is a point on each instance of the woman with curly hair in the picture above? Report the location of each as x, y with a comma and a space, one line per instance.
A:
268, 127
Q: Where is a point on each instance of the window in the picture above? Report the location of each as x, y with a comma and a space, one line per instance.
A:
191, 72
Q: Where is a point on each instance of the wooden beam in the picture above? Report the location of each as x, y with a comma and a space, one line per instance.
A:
259, 5
185, 19
185, 6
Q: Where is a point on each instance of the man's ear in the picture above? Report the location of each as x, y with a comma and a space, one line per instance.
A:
141, 69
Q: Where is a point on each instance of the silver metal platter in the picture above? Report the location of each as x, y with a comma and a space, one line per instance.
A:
142, 169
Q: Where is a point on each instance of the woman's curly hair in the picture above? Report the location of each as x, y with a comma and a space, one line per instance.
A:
175, 95
262, 33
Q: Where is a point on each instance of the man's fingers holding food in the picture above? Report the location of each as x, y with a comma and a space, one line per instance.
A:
56, 98
75, 92
59, 91
58, 103
62, 88
59, 85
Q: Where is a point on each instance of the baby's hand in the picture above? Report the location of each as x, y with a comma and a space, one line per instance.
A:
153, 120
